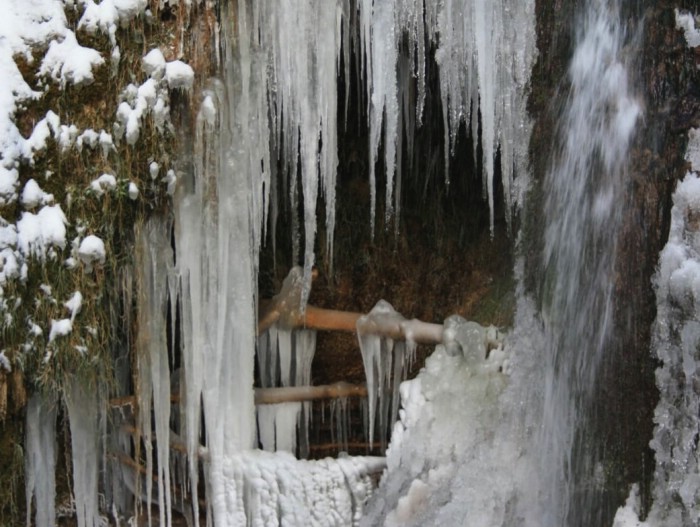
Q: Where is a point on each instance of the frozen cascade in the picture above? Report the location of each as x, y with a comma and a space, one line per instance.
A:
155, 260
583, 189
40, 460
84, 414
217, 234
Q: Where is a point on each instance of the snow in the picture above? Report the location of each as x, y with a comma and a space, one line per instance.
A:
74, 304
33, 196
686, 22
106, 15
5, 362
104, 183
8, 185
69, 62
133, 190
60, 328
92, 251
179, 75
37, 233
154, 64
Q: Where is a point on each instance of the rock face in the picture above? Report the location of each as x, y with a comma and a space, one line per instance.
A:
666, 80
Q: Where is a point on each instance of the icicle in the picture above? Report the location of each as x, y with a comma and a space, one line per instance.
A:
155, 258
83, 407
40, 460
266, 426
384, 106
286, 420
378, 356
304, 351
262, 352
485, 54
285, 350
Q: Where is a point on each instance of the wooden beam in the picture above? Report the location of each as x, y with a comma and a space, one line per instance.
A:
279, 395
308, 393
285, 310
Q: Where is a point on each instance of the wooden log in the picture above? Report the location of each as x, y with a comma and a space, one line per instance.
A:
308, 393
279, 395
284, 309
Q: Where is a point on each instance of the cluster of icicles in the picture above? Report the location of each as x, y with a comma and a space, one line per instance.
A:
275, 104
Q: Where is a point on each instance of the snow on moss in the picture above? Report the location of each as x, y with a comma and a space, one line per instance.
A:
38, 234
67, 62
92, 251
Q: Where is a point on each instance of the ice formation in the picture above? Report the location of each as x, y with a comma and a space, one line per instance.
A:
446, 464
40, 460
386, 364
467, 33
284, 359
83, 405
676, 343
276, 103
155, 259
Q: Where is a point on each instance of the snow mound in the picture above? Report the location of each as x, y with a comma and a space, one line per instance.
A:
92, 251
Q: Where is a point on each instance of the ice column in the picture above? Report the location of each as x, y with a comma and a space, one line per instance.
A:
40, 460
155, 261
84, 407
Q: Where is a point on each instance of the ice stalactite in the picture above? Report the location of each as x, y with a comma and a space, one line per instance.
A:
278, 425
292, 351
85, 407
40, 460
386, 365
155, 262
485, 52
300, 45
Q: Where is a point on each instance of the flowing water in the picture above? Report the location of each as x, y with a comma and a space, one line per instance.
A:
584, 197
